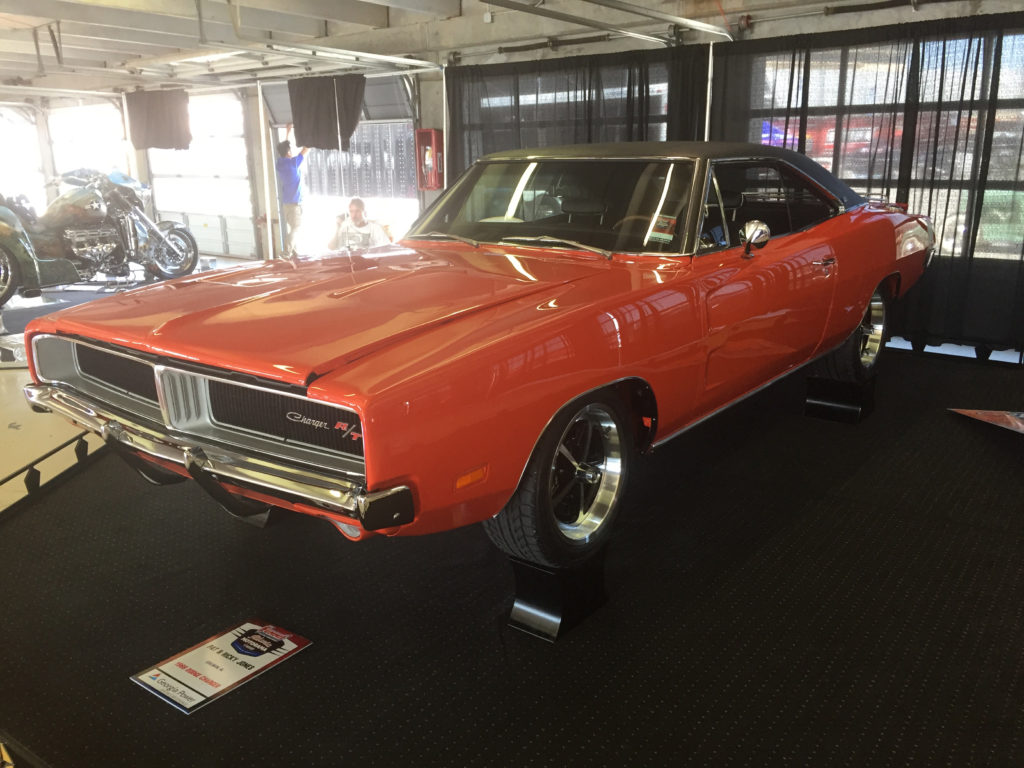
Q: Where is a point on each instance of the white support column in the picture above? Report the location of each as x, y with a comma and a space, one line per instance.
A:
268, 211
46, 149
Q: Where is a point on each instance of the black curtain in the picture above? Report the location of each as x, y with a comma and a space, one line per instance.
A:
326, 110
159, 119
582, 99
928, 114
350, 90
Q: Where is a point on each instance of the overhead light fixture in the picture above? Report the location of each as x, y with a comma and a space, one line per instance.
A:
208, 58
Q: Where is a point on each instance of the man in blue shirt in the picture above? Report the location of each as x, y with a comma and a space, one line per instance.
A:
289, 185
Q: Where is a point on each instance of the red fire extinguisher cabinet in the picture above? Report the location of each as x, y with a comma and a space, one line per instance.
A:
429, 158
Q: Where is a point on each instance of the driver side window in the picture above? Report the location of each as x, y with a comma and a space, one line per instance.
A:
765, 190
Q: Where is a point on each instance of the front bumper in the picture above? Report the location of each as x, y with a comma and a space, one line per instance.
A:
380, 509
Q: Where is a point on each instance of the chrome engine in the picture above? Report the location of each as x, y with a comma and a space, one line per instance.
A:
94, 247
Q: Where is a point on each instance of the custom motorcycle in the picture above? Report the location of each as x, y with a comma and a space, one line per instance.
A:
99, 225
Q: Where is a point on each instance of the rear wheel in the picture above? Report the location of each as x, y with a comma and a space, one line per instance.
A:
855, 360
167, 262
573, 486
10, 275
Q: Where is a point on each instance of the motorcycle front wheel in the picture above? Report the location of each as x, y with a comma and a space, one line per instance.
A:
165, 263
10, 276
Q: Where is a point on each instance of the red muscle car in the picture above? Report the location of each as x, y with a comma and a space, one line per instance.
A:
552, 316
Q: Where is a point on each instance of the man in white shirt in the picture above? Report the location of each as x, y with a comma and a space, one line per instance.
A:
357, 231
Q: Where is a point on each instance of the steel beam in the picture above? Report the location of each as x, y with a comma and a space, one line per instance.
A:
82, 47
272, 13
140, 15
650, 13
98, 33
572, 19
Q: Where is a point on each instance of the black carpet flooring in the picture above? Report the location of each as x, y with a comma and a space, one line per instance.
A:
782, 591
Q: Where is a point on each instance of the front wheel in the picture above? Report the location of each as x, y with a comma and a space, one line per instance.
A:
10, 275
573, 486
855, 360
166, 262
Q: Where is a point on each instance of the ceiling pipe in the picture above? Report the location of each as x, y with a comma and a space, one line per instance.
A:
559, 16
650, 13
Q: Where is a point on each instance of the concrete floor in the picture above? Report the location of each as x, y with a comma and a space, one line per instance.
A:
28, 435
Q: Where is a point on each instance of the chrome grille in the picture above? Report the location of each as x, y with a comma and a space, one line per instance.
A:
272, 413
122, 373
207, 406
184, 398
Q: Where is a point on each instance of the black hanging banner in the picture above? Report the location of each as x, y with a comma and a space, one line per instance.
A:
326, 110
349, 90
159, 119
314, 115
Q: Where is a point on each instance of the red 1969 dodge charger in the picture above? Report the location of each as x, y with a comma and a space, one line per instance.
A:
555, 314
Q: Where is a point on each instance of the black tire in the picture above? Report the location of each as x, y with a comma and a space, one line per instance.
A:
10, 275
856, 359
166, 264
573, 487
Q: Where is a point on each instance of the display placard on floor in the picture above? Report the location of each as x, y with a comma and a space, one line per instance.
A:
219, 664
1007, 419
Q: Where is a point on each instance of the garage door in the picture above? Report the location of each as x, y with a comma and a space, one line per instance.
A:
207, 186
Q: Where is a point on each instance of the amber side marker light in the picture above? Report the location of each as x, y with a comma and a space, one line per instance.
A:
471, 478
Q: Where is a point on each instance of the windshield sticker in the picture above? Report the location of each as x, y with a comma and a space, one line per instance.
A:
664, 229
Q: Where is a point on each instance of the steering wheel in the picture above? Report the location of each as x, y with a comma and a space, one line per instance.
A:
628, 219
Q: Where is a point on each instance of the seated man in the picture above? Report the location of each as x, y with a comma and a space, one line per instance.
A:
356, 231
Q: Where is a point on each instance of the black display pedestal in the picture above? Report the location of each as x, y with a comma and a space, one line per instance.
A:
550, 601
839, 400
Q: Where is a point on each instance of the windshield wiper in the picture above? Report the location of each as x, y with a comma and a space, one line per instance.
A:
552, 240
442, 236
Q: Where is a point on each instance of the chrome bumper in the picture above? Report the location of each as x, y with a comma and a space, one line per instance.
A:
380, 509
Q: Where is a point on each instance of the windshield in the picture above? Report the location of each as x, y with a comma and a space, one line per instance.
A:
628, 205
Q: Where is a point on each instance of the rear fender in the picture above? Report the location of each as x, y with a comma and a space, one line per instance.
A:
14, 239
37, 271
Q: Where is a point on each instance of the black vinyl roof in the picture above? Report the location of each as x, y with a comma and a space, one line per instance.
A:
712, 150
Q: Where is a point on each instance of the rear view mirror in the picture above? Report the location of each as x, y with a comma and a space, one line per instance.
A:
754, 234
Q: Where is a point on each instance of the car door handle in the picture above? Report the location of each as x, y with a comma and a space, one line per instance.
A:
825, 262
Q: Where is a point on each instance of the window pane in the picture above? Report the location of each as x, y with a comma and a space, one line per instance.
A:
90, 136
1007, 146
945, 145
23, 174
877, 75
781, 82
870, 146
951, 70
1011, 75
1001, 231
823, 89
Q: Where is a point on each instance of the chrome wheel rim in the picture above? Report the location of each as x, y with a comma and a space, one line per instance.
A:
586, 473
6, 271
175, 261
872, 329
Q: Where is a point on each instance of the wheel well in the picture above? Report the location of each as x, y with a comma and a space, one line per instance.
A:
891, 286
639, 399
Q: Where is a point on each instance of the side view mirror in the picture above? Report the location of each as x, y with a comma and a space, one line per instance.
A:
754, 234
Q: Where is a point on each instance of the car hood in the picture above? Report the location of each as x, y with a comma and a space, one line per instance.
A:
295, 320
